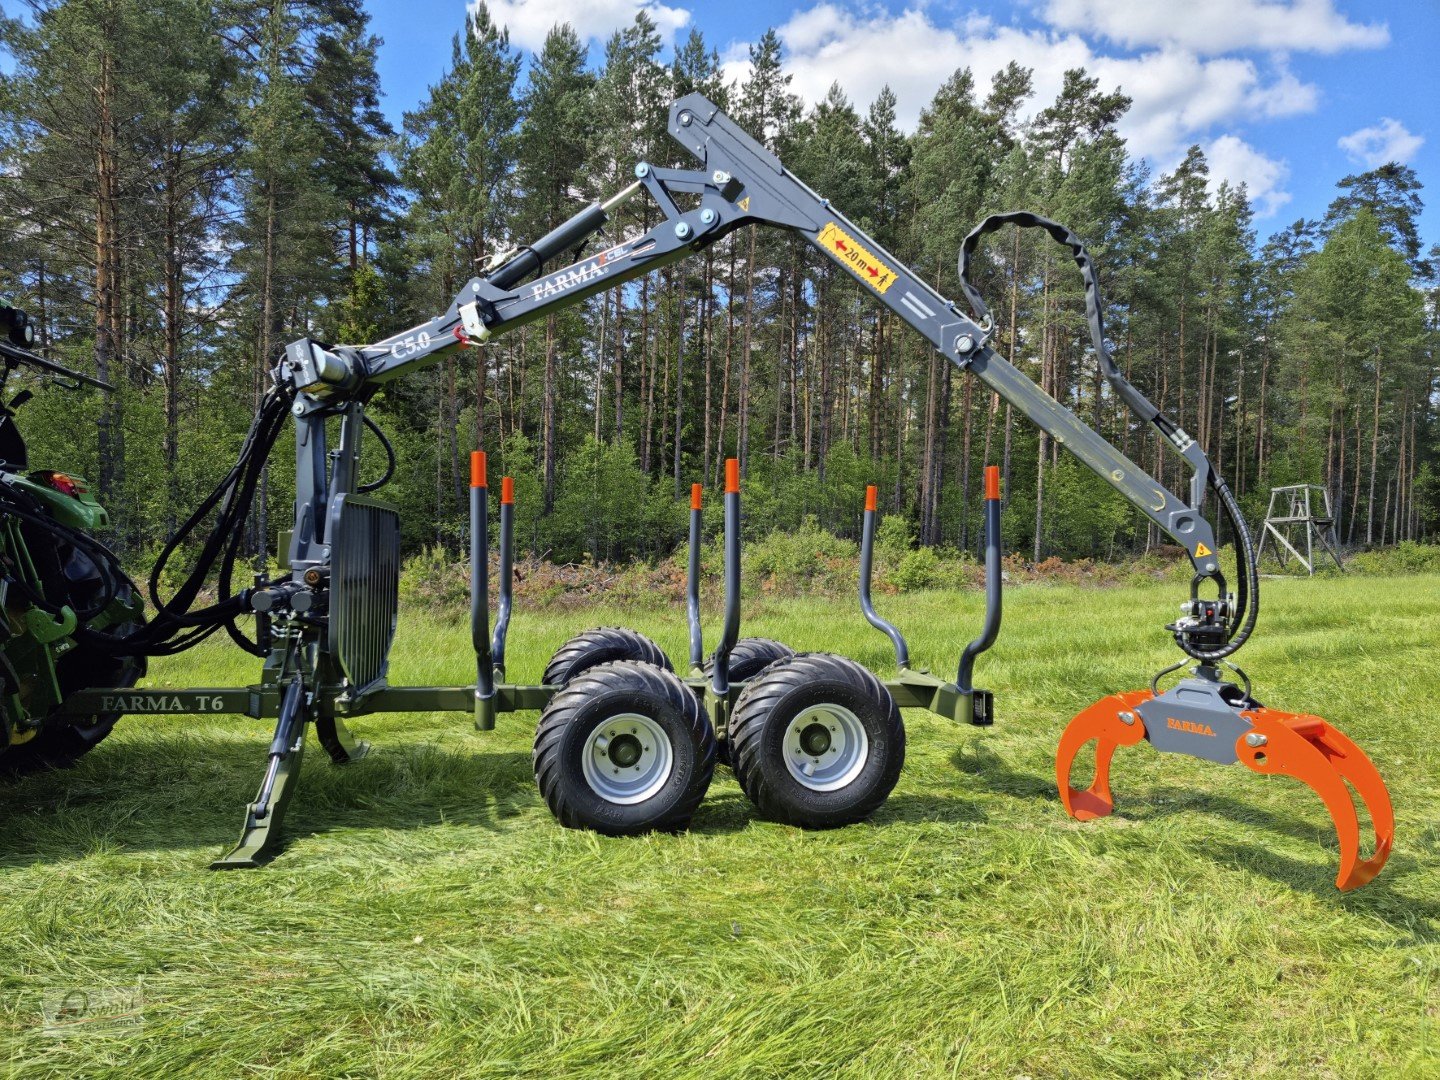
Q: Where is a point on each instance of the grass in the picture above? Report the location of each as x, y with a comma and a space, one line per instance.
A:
429, 919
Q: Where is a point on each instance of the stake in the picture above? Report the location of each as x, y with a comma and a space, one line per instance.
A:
507, 574
480, 593
867, 558
730, 633
692, 582
983, 712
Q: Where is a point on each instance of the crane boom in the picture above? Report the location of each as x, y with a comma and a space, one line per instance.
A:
742, 183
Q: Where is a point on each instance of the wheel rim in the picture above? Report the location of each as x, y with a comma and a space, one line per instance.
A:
825, 747
627, 758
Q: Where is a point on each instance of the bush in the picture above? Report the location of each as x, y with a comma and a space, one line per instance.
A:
434, 578
809, 556
918, 569
1407, 557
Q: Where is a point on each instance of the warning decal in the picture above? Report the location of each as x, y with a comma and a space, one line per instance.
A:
864, 265
1201, 550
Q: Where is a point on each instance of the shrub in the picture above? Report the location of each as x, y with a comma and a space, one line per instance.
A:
1407, 557
918, 569
809, 556
433, 578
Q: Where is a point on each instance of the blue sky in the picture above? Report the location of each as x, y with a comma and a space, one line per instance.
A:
1286, 95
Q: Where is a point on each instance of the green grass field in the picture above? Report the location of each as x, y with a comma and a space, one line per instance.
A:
428, 918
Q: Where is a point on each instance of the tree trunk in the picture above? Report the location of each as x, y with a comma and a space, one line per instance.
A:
547, 417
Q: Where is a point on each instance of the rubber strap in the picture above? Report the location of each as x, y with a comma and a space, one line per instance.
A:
1139, 404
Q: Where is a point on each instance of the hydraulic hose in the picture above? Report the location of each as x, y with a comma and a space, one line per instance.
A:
1241, 622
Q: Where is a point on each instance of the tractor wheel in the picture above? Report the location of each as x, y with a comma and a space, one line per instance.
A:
601, 645
623, 749
60, 744
816, 741
751, 656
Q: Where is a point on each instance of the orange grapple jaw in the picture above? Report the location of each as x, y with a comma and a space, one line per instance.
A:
1299, 745
1319, 755
1101, 723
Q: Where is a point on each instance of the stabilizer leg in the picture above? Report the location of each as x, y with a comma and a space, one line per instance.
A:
1110, 722
1318, 755
260, 837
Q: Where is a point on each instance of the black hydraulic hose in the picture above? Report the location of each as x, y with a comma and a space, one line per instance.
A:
177, 625
1241, 623
389, 474
1247, 610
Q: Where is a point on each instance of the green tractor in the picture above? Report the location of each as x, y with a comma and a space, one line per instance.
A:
63, 595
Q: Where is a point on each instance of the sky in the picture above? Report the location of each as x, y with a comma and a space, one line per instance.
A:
1285, 95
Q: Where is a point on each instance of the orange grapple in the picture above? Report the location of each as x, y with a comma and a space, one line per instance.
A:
1211, 719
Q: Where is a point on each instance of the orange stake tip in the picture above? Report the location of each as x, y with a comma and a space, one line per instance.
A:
992, 483
697, 494
507, 489
870, 492
732, 475
477, 468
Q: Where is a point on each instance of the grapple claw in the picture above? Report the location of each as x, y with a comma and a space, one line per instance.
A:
1103, 722
1317, 754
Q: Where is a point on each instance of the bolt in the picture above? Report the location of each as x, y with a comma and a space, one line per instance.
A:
685, 119
720, 178
641, 171
707, 216
1255, 739
297, 408
682, 229
1127, 718
964, 344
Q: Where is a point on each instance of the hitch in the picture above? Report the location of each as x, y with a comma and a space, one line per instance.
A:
1207, 717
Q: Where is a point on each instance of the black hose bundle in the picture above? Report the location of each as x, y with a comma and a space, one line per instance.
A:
177, 624
1241, 622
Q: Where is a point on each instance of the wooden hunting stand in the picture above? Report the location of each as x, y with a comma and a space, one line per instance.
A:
1295, 506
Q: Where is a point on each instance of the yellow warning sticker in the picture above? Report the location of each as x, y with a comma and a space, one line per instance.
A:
1201, 550
744, 204
862, 263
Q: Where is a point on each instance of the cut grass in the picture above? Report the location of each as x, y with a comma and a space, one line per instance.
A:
428, 918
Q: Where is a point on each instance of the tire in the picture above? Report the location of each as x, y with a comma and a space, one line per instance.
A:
576, 745
602, 645
750, 657
60, 744
829, 705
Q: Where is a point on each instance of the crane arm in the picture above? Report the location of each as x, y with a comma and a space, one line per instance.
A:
741, 183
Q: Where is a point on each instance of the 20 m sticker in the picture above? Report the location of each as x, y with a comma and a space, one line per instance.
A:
865, 266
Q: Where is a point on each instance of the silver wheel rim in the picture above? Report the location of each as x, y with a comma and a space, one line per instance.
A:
627, 759
826, 747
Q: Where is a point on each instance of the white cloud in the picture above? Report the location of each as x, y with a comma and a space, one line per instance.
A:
1218, 26
1383, 142
1177, 94
529, 21
1232, 158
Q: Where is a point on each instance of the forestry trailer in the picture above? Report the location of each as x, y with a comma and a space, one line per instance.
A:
624, 744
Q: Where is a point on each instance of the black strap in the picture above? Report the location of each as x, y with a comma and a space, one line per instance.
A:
1138, 402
